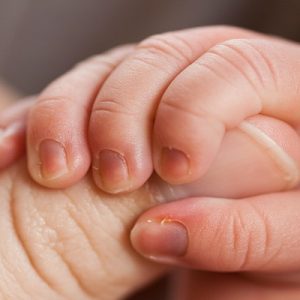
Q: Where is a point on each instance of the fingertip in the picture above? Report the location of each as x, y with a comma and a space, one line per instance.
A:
184, 150
55, 166
57, 149
121, 152
117, 173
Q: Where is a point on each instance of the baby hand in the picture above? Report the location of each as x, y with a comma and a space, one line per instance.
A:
164, 105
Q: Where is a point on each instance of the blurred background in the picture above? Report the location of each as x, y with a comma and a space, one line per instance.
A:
40, 40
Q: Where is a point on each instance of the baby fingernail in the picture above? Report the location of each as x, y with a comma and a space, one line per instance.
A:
160, 241
174, 163
112, 172
53, 159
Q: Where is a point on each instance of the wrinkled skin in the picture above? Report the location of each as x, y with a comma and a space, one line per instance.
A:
67, 244
50, 255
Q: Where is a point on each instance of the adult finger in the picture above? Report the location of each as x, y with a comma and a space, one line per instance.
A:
122, 116
58, 152
258, 234
230, 82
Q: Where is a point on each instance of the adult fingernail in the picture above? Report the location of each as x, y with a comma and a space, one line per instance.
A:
53, 159
174, 163
112, 172
160, 241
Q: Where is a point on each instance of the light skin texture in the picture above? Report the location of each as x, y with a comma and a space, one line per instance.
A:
73, 243
150, 105
249, 80
113, 96
68, 244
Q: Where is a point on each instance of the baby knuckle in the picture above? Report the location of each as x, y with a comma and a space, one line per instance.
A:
244, 58
171, 108
44, 110
53, 101
112, 107
169, 46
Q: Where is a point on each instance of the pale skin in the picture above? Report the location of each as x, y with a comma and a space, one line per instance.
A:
254, 235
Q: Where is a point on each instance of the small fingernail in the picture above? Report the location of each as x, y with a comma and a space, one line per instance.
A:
112, 172
174, 163
160, 241
53, 159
